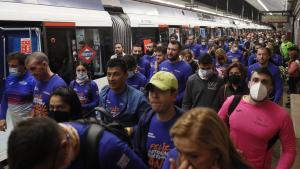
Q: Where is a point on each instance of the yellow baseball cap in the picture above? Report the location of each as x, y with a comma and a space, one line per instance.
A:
163, 80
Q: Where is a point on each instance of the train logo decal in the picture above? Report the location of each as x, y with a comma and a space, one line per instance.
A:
87, 54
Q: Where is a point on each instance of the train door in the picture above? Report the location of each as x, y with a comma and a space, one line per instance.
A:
24, 40
60, 46
163, 33
122, 31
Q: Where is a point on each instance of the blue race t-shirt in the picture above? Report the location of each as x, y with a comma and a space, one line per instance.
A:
144, 65
18, 95
113, 153
88, 94
159, 142
42, 92
137, 81
238, 56
115, 103
182, 71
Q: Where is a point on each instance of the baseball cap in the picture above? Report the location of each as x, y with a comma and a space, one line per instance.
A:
163, 80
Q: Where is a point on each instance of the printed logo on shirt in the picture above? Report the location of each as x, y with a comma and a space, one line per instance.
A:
151, 135
157, 154
39, 107
123, 162
82, 98
212, 85
23, 83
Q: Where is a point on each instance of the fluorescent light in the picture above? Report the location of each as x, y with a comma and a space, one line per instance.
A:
200, 10
264, 6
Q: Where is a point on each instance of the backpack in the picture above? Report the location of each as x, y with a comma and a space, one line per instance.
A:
236, 100
94, 134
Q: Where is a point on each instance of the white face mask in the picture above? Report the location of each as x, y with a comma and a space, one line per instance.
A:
204, 74
13, 71
81, 75
203, 43
130, 74
235, 49
258, 92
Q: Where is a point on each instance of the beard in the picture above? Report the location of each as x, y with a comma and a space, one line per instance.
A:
150, 53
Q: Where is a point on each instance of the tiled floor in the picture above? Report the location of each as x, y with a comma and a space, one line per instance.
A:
295, 114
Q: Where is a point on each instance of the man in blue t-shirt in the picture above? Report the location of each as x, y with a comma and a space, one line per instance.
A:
179, 68
38, 64
135, 79
18, 93
142, 62
263, 58
235, 55
152, 141
193, 46
41, 143
123, 103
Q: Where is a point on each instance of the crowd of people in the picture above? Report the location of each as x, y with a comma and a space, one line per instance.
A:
205, 104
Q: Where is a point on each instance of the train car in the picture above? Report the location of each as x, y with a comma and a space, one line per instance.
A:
68, 31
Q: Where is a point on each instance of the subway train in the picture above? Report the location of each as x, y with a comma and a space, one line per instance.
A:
62, 28
71, 30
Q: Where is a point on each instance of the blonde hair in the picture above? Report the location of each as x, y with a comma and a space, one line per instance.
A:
221, 53
203, 126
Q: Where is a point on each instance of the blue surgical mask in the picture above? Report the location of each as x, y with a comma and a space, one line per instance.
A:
81, 75
14, 71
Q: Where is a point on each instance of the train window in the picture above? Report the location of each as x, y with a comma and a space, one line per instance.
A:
89, 49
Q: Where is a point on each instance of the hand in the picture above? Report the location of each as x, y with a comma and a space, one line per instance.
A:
183, 165
3, 125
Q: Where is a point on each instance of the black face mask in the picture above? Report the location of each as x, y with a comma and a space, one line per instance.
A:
60, 116
234, 79
137, 56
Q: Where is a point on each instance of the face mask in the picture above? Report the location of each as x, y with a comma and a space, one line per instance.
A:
130, 74
235, 49
14, 71
81, 75
204, 74
258, 92
261, 41
60, 116
203, 43
234, 79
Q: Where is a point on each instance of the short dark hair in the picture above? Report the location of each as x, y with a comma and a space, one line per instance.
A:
177, 43
17, 56
33, 142
205, 59
69, 97
118, 43
130, 61
161, 49
265, 71
173, 35
266, 49
117, 63
136, 45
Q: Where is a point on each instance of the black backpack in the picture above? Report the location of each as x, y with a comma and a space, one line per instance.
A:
94, 134
236, 100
